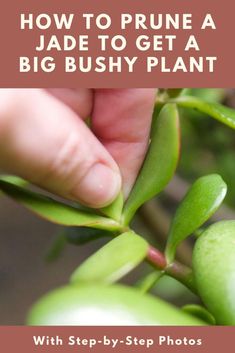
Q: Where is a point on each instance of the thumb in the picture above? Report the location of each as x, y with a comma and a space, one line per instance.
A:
45, 142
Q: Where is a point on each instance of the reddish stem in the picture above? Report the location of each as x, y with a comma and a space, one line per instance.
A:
176, 270
156, 258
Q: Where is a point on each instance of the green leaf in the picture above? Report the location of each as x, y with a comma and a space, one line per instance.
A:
200, 312
113, 261
83, 235
97, 304
201, 201
214, 270
160, 162
215, 95
55, 211
217, 111
114, 210
174, 92
14, 180
149, 281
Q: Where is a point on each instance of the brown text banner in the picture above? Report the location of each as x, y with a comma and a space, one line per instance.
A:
117, 339
151, 43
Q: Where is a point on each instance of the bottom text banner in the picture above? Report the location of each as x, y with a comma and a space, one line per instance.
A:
116, 339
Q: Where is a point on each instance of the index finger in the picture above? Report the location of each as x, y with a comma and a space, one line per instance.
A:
121, 120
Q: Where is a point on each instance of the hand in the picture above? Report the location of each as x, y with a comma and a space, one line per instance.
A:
44, 139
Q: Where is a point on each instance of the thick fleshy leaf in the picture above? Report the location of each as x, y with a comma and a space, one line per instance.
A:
13, 180
174, 92
114, 210
201, 201
148, 282
213, 95
160, 162
97, 305
200, 312
113, 261
214, 270
217, 111
55, 211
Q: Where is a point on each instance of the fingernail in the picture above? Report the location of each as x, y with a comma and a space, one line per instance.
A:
98, 187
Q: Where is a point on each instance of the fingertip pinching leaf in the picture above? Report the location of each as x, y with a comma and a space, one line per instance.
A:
55, 211
200, 202
114, 210
217, 111
113, 261
160, 162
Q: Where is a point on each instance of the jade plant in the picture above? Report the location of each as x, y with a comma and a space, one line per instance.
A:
92, 295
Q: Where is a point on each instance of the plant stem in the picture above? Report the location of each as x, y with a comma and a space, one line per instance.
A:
156, 258
176, 270
148, 282
183, 274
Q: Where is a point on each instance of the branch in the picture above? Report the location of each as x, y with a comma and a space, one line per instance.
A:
176, 270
